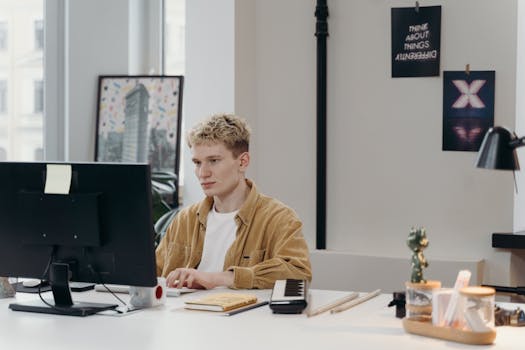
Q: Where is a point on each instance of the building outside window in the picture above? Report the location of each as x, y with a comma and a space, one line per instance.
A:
174, 32
3, 35
3, 97
39, 34
21, 82
39, 96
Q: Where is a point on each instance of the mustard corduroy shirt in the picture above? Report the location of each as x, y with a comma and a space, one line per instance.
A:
269, 243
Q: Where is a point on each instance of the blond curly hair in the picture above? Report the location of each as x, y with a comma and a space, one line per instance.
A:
228, 129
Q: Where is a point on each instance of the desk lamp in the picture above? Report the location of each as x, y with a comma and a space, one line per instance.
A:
498, 151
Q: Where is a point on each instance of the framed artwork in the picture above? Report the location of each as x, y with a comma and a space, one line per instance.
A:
416, 41
139, 120
468, 108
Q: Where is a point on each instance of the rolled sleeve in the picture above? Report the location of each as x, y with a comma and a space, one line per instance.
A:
243, 277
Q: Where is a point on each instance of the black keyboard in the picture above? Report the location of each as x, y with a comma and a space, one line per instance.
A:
289, 296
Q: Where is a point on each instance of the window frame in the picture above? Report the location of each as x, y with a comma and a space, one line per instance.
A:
39, 34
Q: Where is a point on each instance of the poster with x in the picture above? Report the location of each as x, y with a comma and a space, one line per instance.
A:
468, 108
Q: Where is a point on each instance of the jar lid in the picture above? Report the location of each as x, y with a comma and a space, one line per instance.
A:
477, 291
431, 284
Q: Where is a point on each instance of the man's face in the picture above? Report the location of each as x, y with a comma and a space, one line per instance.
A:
218, 171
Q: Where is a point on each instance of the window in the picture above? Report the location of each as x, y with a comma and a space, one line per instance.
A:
21, 85
174, 31
174, 53
39, 96
3, 97
39, 153
39, 34
3, 35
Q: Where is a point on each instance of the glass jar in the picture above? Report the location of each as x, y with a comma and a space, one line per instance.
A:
477, 308
419, 299
440, 300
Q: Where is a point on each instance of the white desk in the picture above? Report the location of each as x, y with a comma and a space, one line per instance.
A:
371, 325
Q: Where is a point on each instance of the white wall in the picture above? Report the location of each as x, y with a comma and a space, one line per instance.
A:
518, 256
385, 151
245, 78
285, 85
209, 79
519, 209
386, 170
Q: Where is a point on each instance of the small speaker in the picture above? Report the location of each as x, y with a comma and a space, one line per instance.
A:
149, 296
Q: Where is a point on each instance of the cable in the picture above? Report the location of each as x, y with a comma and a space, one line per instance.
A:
93, 271
60, 309
100, 281
51, 258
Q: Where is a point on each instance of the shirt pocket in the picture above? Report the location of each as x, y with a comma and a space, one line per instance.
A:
255, 257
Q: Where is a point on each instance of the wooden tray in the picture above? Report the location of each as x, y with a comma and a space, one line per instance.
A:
426, 328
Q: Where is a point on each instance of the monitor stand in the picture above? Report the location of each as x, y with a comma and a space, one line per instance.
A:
63, 303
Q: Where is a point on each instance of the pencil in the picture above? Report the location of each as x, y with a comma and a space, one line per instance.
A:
358, 301
249, 307
330, 306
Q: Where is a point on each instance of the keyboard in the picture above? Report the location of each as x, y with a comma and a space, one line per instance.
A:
119, 288
289, 296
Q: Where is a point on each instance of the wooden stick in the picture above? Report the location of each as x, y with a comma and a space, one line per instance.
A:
358, 301
330, 306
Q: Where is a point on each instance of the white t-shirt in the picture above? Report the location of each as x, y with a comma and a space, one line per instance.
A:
221, 230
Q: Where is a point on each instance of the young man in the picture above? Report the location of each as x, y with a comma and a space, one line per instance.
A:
235, 237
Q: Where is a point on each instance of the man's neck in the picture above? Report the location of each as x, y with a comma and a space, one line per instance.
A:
232, 201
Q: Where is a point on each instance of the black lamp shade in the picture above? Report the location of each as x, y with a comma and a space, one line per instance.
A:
496, 150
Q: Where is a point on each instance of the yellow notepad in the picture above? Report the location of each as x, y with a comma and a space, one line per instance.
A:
221, 302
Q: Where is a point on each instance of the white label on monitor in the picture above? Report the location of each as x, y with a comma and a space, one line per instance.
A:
58, 179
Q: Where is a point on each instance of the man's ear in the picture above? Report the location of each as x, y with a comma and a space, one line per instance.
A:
244, 159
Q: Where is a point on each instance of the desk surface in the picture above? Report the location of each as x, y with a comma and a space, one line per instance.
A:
371, 325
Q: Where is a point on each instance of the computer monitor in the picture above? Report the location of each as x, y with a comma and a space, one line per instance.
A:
85, 222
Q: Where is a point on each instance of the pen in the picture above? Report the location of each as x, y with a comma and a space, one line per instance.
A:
253, 306
330, 306
362, 299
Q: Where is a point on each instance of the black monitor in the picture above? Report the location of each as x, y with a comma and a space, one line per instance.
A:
85, 222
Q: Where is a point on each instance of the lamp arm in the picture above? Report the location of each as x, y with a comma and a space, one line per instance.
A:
517, 142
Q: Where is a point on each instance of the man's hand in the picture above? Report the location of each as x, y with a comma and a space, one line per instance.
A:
191, 278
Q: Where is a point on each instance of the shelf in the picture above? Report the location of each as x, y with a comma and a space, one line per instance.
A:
508, 240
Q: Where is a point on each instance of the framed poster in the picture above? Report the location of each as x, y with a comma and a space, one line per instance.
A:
416, 41
468, 108
139, 120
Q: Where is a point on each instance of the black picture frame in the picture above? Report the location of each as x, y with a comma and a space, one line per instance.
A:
152, 106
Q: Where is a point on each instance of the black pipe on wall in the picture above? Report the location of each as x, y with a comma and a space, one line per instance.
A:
321, 32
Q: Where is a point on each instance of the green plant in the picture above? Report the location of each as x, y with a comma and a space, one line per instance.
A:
165, 201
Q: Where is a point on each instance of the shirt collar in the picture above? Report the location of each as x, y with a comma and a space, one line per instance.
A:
245, 211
